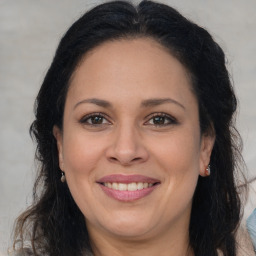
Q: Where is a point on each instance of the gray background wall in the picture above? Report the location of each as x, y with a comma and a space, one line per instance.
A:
29, 33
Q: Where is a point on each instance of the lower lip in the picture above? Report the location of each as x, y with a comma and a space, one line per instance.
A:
127, 196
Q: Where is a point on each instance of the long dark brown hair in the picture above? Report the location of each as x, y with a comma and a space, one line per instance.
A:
54, 225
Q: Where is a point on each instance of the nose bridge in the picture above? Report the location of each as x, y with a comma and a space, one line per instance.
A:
127, 146
126, 138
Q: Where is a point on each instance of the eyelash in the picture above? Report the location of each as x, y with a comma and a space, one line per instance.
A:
85, 119
171, 120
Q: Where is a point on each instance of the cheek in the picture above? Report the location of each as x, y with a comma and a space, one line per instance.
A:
179, 157
179, 152
81, 154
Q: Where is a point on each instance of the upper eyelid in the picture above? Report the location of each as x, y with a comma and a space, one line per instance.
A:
85, 117
172, 120
160, 114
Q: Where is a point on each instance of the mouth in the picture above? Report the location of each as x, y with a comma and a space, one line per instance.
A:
128, 188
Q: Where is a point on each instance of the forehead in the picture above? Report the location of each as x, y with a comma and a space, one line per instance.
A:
140, 66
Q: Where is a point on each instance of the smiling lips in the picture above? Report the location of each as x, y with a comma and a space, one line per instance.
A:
127, 187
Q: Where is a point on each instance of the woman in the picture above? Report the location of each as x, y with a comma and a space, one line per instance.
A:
138, 152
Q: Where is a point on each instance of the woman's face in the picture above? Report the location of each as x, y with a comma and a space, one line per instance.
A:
131, 147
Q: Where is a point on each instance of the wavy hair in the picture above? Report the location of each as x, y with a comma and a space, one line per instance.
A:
54, 225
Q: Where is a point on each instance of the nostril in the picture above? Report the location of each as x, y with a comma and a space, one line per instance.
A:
124, 161
136, 159
113, 159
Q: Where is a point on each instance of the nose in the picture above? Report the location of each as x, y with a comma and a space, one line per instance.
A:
127, 147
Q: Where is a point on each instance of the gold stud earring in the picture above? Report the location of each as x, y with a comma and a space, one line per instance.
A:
63, 178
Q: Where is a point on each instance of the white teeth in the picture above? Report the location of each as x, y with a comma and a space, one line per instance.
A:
122, 186
128, 187
132, 186
115, 186
145, 185
140, 186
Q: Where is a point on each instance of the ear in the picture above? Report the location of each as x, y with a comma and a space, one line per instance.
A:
58, 136
207, 143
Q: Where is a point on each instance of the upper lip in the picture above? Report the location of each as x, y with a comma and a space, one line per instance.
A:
120, 178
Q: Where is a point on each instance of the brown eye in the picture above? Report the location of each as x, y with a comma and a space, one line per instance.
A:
161, 119
94, 119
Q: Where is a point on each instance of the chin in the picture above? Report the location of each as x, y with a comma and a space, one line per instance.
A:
130, 231
127, 226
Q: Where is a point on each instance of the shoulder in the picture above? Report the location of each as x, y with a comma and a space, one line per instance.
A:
244, 243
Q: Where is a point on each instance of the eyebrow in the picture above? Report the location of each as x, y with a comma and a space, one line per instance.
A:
157, 102
145, 103
98, 102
